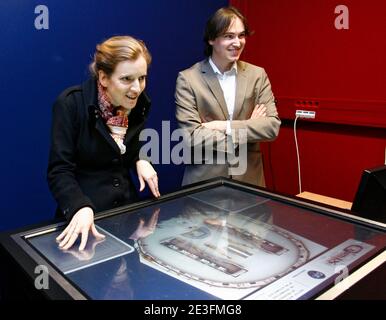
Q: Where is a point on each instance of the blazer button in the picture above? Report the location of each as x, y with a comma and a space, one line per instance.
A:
116, 183
115, 203
115, 161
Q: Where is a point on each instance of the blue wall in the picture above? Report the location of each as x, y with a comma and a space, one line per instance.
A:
36, 65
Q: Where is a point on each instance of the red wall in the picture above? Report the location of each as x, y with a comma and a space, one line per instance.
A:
340, 74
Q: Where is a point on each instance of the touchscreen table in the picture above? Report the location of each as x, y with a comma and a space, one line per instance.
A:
219, 240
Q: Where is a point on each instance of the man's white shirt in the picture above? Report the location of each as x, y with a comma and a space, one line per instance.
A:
228, 85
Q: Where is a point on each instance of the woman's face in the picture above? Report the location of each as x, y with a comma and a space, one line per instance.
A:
126, 83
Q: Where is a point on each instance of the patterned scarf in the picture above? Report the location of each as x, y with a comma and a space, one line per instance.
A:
116, 118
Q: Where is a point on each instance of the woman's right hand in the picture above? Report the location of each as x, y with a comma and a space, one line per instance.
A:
81, 223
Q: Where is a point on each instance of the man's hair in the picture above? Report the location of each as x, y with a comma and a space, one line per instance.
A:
115, 50
219, 23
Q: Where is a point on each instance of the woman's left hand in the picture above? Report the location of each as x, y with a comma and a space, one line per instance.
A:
147, 173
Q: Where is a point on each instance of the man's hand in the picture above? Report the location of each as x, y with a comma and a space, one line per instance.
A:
146, 172
81, 223
216, 125
259, 111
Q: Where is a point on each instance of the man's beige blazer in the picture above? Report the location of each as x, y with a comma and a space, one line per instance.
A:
199, 98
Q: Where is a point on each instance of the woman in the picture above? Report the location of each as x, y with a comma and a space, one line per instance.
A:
95, 138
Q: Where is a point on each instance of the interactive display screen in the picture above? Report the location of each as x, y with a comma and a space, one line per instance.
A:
223, 242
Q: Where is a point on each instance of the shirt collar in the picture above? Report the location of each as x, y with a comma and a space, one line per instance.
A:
232, 70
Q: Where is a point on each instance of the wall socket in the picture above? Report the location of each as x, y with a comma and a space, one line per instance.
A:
305, 114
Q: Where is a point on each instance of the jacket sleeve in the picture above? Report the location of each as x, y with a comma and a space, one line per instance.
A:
62, 158
243, 131
189, 120
264, 128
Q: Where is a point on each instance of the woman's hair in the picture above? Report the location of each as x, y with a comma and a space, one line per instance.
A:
115, 50
219, 23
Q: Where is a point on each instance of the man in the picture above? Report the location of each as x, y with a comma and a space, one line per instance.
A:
226, 102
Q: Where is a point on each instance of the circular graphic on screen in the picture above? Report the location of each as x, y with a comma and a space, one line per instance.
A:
233, 251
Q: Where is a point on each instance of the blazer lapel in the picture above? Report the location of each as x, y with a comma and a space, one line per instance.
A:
241, 87
132, 130
100, 126
90, 96
214, 86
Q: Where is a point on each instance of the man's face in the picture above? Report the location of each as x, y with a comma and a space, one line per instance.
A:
228, 47
126, 83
